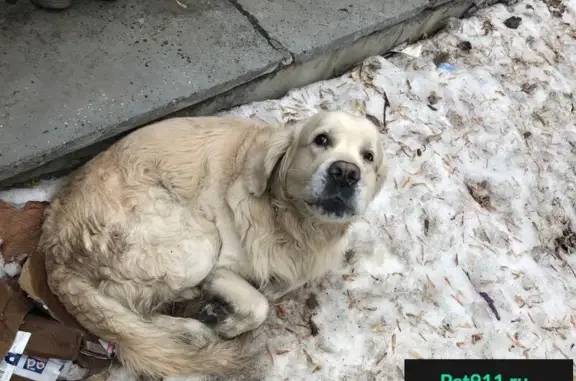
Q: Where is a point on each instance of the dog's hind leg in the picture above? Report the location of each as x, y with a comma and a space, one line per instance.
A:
232, 305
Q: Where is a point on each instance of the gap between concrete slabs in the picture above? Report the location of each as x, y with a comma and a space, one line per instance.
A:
70, 79
336, 51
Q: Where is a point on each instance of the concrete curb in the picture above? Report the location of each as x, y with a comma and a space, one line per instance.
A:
273, 81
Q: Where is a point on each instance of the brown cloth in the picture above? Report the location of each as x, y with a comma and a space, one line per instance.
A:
20, 229
34, 281
14, 307
54, 332
51, 339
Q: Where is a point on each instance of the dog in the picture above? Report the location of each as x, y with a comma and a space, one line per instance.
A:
232, 211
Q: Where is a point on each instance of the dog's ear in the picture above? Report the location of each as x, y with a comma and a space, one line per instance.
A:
263, 158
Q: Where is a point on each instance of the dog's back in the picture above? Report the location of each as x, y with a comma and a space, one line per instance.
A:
126, 220
210, 205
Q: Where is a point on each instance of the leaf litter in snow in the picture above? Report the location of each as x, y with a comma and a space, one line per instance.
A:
469, 250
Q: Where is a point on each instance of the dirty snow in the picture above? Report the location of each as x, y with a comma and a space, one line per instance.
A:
12, 269
44, 190
479, 201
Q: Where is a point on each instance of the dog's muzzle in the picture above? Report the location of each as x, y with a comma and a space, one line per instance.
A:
339, 194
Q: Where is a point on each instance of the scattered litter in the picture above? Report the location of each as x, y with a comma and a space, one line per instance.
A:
444, 66
312, 302
476, 338
556, 7
513, 22
414, 50
9, 361
480, 193
442, 57
374, 120
281, 311
566, 241
529, 88
488, 27
313, 366
433, 98
465, 46
72, 372
35, 368
490, 303
313, 327
181, 4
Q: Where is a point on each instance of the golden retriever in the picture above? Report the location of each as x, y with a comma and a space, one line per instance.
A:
226, 210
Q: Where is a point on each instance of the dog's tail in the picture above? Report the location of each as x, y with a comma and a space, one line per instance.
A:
160, 346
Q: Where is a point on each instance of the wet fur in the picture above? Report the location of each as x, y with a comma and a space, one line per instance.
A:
193, 208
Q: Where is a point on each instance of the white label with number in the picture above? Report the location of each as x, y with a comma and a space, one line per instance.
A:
17, 348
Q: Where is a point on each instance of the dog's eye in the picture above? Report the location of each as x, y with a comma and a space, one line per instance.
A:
321, 140
368, 156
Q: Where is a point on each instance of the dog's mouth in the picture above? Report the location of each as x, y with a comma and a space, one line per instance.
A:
333, 207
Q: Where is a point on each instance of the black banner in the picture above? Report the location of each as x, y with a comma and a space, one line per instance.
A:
488, 370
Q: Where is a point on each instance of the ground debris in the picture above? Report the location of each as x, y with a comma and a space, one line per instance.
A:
480, 193
488, 27
313, 327
455, 119
314, 367
529, 88
477, 337
465, 46
555, 7
440, 58
513, 22
433, 98
566, 242
312, 302
281, 311
490, 303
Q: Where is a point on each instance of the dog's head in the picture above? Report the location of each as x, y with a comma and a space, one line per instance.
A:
330, 166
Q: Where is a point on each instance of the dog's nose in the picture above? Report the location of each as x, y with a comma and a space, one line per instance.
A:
344, 172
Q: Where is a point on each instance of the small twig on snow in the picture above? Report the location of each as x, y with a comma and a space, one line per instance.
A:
490, 303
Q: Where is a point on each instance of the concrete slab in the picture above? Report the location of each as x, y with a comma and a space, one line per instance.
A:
75, 82
334, 62
308, 29
69, 79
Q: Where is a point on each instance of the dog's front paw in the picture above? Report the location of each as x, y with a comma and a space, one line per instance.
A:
214, 311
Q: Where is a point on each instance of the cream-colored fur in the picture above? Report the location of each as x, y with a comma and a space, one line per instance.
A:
216, 208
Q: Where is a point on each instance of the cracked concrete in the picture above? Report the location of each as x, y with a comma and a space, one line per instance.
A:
309, 28
274, 43
72, 82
